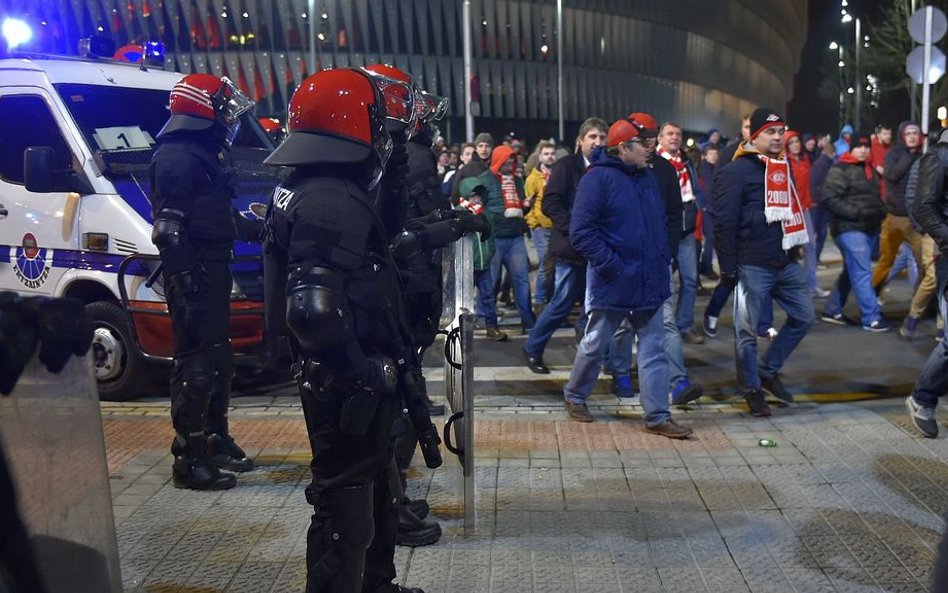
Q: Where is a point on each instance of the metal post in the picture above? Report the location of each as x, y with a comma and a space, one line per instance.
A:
842, 90
468, 50
311, 13
559, 66
859, 81
926, 66
912, 85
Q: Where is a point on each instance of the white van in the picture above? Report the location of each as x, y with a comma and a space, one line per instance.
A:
76, 137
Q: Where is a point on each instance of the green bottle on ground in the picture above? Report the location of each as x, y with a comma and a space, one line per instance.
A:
767, 443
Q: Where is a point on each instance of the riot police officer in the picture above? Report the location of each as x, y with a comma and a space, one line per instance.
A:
194, 230
327, 249
424, 222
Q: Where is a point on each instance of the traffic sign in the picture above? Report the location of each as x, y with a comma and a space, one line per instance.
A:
916, 24
915, 65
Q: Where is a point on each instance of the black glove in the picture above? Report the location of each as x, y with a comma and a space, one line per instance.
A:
64, 329
473, 223
18, 340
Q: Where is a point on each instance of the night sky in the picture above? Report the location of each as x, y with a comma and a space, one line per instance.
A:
807, 112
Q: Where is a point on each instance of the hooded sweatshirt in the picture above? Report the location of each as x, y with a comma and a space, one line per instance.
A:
842, 145
898, 161
505, 225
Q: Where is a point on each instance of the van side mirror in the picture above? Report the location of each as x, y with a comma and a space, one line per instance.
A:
41, 175
38, 169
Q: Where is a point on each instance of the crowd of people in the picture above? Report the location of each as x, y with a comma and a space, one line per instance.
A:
721, 202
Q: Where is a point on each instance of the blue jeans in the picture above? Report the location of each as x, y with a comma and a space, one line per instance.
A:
486, 300
932, 383
512, 253
706, 264
541, 240
905, 260
618, 357
688, 275
568, 287
820, 217
672, 343
856, 248
809, 251
653, 367
787, 286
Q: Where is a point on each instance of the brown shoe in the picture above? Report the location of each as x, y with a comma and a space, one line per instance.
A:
578, 412
692, 336
671, 429
496, 335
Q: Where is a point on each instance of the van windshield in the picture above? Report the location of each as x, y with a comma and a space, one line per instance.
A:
116, 120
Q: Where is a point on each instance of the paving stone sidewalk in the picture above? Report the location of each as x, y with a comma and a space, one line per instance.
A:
849, 500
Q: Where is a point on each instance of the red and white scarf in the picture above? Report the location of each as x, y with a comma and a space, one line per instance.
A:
513, 205
781, 202
684, 178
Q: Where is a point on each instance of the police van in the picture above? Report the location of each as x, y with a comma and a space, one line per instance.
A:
76, 138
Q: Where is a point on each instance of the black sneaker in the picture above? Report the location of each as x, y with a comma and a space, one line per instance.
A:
756, 402
710, 330
776, 388
879, 326
535, 364
837, 319
923, 418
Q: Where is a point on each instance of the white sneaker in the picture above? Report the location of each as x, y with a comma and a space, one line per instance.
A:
923, 418
820, 293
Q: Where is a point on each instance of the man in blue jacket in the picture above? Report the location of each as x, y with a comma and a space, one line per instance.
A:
618, 225
758, 228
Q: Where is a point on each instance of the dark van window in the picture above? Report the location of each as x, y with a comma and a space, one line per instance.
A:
25, 120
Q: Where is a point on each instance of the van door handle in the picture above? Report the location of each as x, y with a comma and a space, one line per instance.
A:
3, 212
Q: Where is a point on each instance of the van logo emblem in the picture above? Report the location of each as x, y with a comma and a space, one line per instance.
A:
31, 267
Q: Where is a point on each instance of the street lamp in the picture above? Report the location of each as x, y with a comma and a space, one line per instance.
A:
857, 42
841, 63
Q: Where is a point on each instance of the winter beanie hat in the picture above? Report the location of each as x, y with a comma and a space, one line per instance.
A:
762, 119
484, 138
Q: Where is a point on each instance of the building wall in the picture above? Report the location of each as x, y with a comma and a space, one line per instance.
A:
699, 62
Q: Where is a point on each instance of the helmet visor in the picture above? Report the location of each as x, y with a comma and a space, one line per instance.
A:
231, 103
431, 107
398, 99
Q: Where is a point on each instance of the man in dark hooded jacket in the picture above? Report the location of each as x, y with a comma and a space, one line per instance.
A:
896, 228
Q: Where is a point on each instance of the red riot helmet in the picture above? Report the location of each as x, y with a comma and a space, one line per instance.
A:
336, 116
199, 101
427, 107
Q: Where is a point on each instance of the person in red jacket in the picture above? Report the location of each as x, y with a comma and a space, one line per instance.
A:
881, 143
800, 169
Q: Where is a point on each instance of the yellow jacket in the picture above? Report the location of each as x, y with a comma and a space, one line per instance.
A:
534, 191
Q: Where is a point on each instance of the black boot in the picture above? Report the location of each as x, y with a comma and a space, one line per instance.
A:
393, 588
227, 454
419, 506
197, 473
413, 532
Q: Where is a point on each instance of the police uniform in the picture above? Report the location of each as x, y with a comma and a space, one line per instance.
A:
324, 232
194, 230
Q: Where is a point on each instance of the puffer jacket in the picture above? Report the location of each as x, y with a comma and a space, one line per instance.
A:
851, 194
898, 161
618, 224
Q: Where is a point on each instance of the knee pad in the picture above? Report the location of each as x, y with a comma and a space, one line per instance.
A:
198, 373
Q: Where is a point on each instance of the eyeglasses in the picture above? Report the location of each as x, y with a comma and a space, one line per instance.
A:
629, 143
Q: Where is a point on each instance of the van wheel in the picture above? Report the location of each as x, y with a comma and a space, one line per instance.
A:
120, 370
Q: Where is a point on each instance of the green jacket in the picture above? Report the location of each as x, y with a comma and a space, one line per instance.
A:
483, 248
504, 228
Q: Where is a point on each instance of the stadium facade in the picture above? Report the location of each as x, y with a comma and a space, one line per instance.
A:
696, 62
